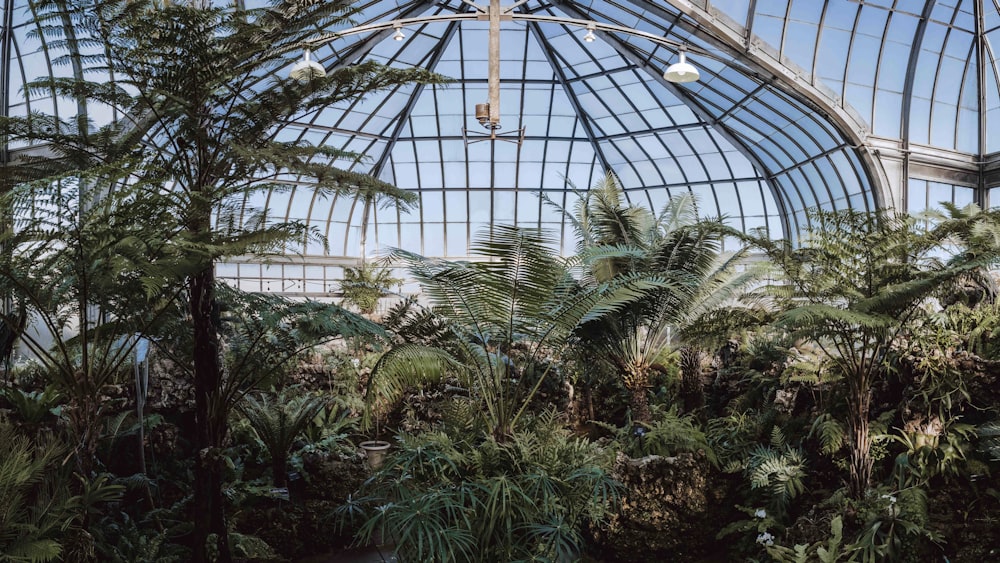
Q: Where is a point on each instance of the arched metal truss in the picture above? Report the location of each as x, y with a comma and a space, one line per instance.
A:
832, 103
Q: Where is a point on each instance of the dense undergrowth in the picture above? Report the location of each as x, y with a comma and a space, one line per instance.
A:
515, 438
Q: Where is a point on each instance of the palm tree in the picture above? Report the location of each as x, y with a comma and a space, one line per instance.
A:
616, 239
518, 294
856, 283
200, 101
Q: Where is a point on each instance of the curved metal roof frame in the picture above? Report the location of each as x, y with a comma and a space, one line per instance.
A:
760, 110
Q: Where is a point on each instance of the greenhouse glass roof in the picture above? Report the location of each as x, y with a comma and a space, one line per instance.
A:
831, 104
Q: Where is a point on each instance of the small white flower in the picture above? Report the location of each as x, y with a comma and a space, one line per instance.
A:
765, 539
355, 362
761, 513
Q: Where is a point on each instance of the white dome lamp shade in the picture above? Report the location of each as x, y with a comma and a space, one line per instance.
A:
307, 69
681, 71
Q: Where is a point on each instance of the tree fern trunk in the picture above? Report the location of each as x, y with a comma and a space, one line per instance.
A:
692, 390
859, 458
210, 420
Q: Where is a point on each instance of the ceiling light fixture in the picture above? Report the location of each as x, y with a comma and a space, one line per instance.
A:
681, 71
399, 35
590, 37
306, 69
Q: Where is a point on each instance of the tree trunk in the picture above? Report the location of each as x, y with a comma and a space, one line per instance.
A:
692, 390
279, 465
859, 458
210, 420
636, 383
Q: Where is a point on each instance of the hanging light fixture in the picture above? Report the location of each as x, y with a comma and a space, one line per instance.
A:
399, 35
590, 37
681, 71
307, 69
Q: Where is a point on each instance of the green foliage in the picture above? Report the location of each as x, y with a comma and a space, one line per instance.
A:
778, 471
519, 293
278, 421
832, 551
77, 260
32, 407
700, 305
36, 509
735, 436
364, 285
855, 284
939, 449
331, 426
668, 434
527, 498
199, 101
896, 527
830, 432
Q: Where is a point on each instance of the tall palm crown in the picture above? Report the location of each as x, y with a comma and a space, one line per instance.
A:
616, 239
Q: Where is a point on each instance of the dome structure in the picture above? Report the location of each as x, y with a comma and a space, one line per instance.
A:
831, 104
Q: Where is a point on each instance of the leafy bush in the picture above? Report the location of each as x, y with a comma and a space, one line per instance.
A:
668, 434
443, 498
39, 519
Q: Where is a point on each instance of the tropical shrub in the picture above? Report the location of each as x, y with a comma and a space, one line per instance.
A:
853, 287
445, 498
40, 519
364, 285
521, 293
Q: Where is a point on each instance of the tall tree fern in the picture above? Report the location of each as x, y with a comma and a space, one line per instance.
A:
199, 96
855, 283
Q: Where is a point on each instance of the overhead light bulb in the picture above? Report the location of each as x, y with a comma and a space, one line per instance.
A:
399, 35
306, 69
681, 71
590, 37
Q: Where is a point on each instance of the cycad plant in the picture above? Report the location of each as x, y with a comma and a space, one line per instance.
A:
277, 422
856, 282
616, 239
518, 293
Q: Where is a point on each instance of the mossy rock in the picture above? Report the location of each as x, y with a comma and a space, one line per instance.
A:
671, 510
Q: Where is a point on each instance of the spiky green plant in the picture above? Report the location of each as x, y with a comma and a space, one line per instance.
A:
518, 292
615, 239
446, 498
364, 285
35, 505
277, 422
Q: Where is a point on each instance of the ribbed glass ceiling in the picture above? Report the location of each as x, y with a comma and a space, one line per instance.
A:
796, 105
863, 52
